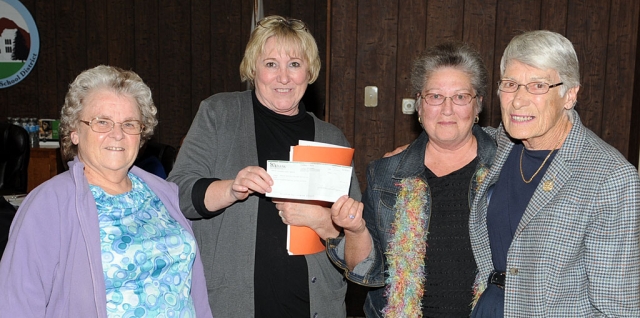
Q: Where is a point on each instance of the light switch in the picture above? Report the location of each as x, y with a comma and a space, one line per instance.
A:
371, 96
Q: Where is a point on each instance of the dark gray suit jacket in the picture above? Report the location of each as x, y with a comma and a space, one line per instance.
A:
221, 142
575, 252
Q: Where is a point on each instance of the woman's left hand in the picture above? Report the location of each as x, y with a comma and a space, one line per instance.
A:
347, 213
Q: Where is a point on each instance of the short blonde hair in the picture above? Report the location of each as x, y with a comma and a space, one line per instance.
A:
291, 35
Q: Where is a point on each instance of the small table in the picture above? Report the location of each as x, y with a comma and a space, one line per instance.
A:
44, 163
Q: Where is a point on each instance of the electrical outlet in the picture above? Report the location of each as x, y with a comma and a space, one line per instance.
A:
408, 106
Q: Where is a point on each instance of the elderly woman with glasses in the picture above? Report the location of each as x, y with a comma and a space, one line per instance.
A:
555, 224
221, 173
409, 238
104, 239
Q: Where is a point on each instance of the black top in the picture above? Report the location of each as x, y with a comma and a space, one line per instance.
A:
280, 280
510, 197
449, 264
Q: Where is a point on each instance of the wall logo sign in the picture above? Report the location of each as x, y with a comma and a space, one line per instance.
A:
19, 42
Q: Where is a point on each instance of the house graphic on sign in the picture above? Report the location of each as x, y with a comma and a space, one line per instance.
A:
14, 42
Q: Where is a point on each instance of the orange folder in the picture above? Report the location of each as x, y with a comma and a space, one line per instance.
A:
338, 156
302, 240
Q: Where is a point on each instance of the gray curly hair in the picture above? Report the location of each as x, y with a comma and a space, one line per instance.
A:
111, 78
451, 54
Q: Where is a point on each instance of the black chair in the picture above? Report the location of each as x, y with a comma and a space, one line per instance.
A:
7, 212
154, 153
14, 159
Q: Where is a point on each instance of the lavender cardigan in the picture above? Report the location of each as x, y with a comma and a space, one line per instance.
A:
52, 265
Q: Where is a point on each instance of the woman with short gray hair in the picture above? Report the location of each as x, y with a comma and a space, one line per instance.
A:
555, 225
409, 237
105, 238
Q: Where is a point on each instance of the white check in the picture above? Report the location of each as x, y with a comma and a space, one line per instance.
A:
308, 180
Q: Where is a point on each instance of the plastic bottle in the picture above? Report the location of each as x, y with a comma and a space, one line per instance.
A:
33, 129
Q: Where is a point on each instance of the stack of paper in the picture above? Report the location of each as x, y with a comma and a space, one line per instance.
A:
318, 172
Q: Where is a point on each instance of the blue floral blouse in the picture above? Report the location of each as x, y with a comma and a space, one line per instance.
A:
147, 255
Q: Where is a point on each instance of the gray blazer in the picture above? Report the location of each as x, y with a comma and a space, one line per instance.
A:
221, 142
575, 252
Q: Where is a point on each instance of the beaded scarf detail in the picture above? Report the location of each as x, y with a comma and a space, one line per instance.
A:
406, 252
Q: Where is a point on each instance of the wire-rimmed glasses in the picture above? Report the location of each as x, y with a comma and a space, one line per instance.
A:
460, 99
536, 88
104, 125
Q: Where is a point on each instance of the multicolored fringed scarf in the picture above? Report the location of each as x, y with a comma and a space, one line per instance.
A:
478, 288
406, 252
480, 283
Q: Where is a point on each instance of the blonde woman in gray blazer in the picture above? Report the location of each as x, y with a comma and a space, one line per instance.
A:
554, 227
220, 171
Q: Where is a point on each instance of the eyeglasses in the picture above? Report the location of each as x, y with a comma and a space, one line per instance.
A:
293, 24
536, 88
461, 99
103, 125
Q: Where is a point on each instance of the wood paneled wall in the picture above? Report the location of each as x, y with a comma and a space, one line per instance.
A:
184, 50
188, 50
374, 42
